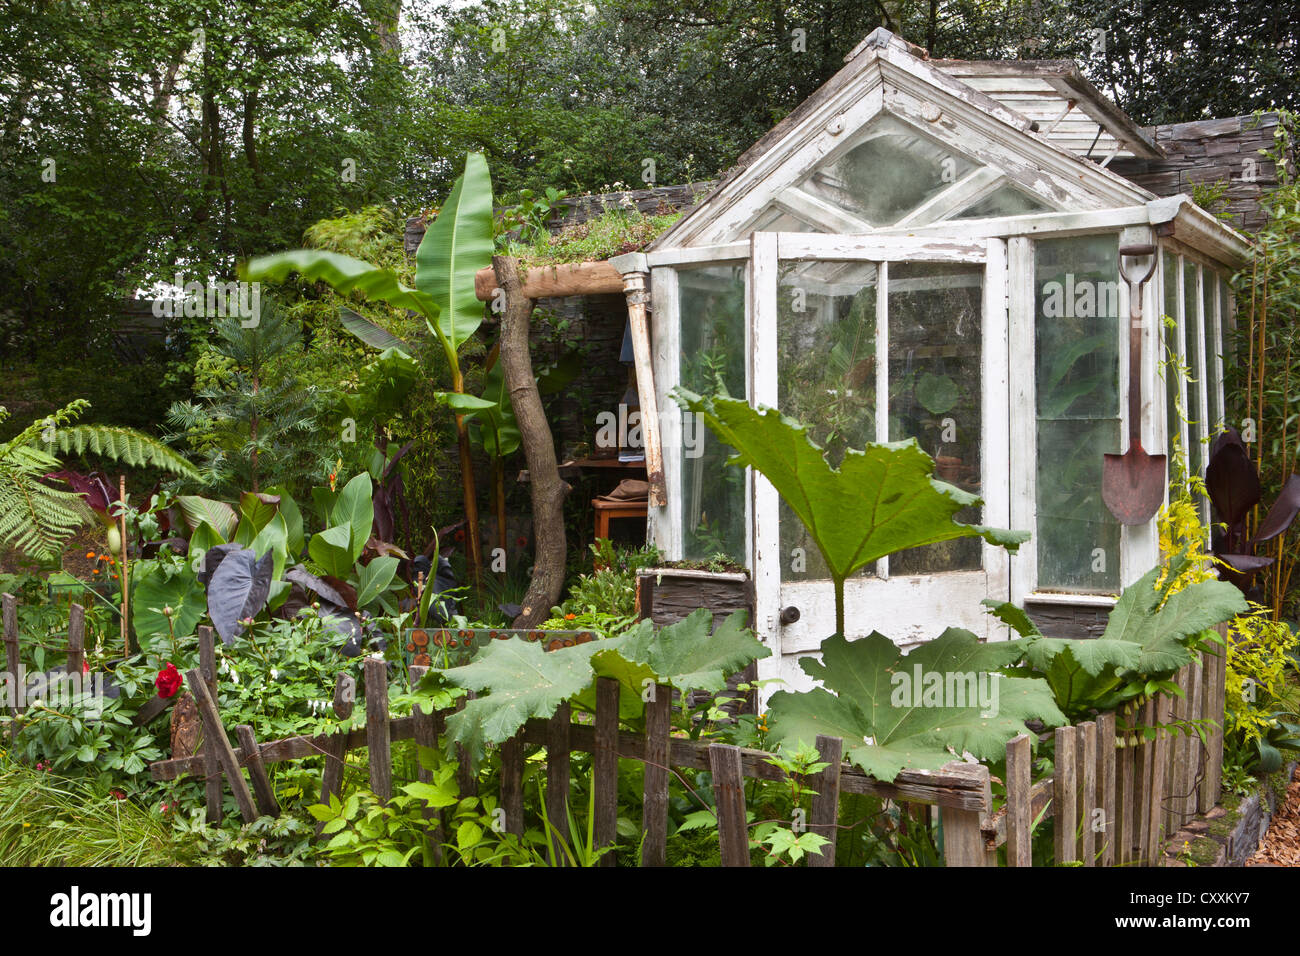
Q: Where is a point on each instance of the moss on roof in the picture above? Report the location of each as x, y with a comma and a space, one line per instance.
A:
612, 233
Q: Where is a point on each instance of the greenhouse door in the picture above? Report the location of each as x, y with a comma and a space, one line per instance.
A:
864, 340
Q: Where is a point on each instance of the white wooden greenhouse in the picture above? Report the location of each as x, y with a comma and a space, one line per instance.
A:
930, 249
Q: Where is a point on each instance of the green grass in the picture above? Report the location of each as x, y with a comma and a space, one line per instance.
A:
612, 233
47, 820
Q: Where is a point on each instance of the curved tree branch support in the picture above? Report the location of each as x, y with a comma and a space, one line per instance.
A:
545, 485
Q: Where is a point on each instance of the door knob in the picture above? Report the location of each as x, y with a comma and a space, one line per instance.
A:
789, 615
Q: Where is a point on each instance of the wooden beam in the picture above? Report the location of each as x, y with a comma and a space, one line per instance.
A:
544, 282
217, 742
634, 287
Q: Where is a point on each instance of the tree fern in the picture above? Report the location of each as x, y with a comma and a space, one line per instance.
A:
122, 444
35, 518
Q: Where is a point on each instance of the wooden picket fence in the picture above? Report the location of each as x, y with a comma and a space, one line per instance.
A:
1115, 796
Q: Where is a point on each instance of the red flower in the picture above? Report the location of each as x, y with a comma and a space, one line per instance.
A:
460, 534
168, 681
117, 794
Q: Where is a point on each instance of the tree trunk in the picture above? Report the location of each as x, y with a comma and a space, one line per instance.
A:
545, 485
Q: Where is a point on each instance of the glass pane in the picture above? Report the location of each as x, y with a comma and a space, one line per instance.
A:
1209, 297
1195, 369
1171, 361
891, 170
935, 338
776, 219
826, 375
1004, 201
1077, 367
712, 303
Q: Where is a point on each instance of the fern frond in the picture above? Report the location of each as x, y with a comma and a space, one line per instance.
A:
121, 444
35, 518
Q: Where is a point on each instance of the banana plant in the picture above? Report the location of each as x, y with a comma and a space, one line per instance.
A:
494, 429
455, 247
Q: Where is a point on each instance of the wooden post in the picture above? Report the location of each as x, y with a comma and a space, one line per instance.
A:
378, 742
729, 798
963, 836
267, 805
1195, 752
825, 816
425, 738
1214, 695
604, 767
206, 637
10, 612
557, 779
654, 803
1106, 785
1142, 796
1020, 822
1086, 749
345, 695
512, 784
76, 640
215, 739
1064, 792
1126, 836
634, 288
1159, 780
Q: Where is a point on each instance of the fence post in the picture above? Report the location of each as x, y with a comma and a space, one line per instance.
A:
825, 817
10, 605
76, 640
654, 803
1020, 757
1106, 785
557, 779
1159, 780
604, 767
1086, 751
1213, 702
211, 765
963, 836
466, 775
331, 782
1142, 795
512, 784
378, 739
267, 805
426, 737
1064, 793
345, 695
729, 798
214, 736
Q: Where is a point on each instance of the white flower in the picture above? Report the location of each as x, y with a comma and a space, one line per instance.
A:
274, 674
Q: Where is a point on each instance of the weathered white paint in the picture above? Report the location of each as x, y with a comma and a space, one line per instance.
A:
1022, 457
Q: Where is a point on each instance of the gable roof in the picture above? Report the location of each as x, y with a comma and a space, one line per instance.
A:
886, 74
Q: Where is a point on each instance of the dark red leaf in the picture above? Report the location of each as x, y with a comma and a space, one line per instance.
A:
1282, 513
1231, 479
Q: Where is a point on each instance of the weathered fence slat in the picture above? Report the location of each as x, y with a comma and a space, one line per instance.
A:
512, 784
1143, 798
1106, 786
1159, 793
345, 695
1195, 751
1020, 823
825, 816
557, 780
207, 638
378, 737
10, 611
215, 737
466, 775
1215, 701
426, 737
654, 822
331, 781
1064, 795
263, 792
76, 639
1124, 834
963, 837
729, 798
1086, 750
604, 767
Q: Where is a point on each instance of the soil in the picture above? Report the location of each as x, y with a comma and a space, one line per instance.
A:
1281, 845
90, 539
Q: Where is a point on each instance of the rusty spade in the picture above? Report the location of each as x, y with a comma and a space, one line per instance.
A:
1133, 484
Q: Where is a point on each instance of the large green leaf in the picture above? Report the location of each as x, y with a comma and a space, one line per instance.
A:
196, 509
684, 655
331, 550
293, 527
495, 427
455, 247
356, 509
1164, 630
152, 592
867, 698
880, 500
373, 335
519, 680
341, 273
374, 578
